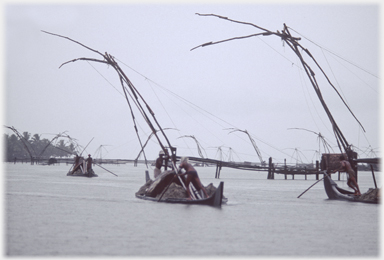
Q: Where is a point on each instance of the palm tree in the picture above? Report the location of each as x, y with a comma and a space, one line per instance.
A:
26, 136
36, 138
36, 143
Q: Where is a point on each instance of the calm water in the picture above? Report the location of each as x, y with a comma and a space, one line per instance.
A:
50, 214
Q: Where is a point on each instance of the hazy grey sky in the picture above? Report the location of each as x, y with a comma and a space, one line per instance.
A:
254, 84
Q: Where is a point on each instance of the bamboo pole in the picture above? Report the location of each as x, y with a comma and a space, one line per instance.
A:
373, 175
312, 185
296, 47
135, 96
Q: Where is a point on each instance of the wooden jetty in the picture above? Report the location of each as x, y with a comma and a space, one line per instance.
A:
327, 161
270, 168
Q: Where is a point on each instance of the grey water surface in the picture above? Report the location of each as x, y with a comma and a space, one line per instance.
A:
50, 214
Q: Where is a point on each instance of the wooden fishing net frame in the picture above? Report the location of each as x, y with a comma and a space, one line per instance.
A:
293, 43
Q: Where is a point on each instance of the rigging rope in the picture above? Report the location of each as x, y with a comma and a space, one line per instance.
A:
105, 79
201, 110
334, 53
139, 126
306, 92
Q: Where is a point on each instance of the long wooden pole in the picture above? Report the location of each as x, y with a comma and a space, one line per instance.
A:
105, 169
373, 175
292, 42
87, 145
109, 60
312, 185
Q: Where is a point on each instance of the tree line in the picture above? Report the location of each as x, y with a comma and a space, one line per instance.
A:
26, 146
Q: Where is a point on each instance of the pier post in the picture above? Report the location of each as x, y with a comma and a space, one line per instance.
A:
218, 169
317, 170
317, 165
373, 175
217, 166
270, 169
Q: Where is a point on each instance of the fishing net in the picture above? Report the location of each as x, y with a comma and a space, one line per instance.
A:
370, 195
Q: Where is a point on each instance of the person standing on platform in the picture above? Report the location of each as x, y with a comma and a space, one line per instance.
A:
159, 164
89, 162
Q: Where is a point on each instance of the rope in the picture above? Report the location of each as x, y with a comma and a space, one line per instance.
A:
337, 55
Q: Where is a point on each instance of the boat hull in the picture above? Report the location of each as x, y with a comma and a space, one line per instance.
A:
153, 191
79, 173
336, 193
214, 200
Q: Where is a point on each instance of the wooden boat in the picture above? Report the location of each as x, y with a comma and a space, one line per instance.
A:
80, 168
80, 173
154, 191
334, 192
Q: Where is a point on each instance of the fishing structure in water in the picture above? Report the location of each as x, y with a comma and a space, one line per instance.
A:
293, 42
38, 156
134, 98
253, 143
130, 92
326, 146
199, 147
